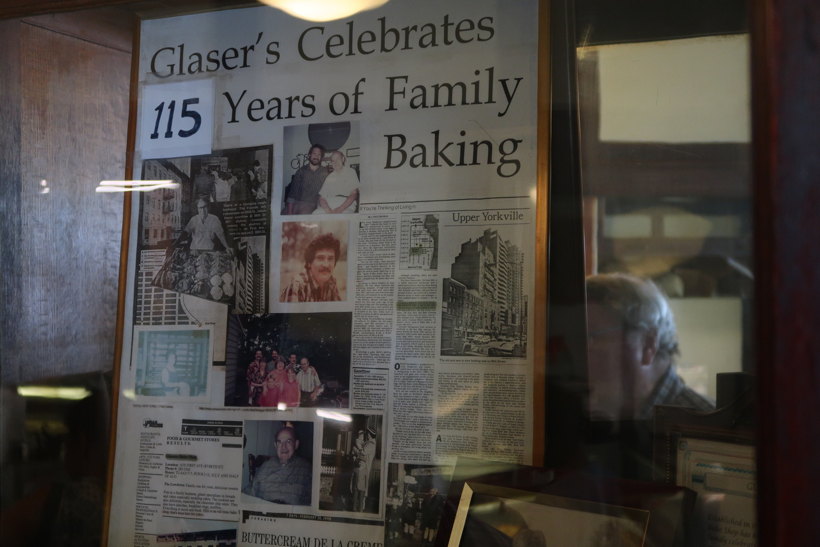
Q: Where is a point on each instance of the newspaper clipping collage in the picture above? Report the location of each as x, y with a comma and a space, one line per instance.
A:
331, 295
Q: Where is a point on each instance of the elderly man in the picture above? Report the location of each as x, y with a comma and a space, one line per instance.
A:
303, 190
204, 229
316, 282
309, 384
340, 192
632, 344
286, 478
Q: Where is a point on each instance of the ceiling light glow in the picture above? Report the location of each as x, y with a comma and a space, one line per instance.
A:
323, 10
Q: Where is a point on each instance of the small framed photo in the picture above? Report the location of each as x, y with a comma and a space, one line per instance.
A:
515, 505
492, 515
714, 455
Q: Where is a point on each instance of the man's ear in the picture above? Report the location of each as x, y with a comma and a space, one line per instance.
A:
650, 347
296, 445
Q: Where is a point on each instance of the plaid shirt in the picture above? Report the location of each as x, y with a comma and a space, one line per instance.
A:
671, 390
303, 289
288, 483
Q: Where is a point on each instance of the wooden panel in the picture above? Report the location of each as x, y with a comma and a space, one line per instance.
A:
110, 27
9, 190
74, 115
786, 72
22, 8
607, 22
149, 8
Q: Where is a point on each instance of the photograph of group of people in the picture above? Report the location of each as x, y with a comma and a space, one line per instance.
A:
414, 503
282, 384
321, 169
351, 460
288, 360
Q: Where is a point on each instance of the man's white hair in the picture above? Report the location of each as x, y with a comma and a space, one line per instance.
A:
640, 304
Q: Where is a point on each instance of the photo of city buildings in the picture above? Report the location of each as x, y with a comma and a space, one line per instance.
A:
484, 308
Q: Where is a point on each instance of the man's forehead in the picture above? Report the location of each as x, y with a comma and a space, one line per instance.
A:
602, 313
286, 433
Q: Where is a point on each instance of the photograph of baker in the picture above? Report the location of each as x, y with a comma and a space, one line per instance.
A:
277, 463
209, 231
321, 168
313, 267
287, 360
351, 464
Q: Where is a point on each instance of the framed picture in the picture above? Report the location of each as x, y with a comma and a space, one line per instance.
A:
713, 455
517, 505
495, 515
307, 206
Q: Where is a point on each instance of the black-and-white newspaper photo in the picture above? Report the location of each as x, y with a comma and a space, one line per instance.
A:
414, 503
211, 230
419, 242
484, 297
351, 460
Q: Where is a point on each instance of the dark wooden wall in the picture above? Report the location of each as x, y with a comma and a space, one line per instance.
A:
10, 281
64, 121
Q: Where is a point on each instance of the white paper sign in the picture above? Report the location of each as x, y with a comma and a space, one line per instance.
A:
176, 119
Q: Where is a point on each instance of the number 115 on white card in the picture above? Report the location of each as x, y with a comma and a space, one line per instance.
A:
176, 119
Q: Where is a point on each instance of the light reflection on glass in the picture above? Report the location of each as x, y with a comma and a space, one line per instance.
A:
323, 10
134, 185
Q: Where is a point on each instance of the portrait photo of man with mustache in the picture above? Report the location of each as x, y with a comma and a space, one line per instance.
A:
316, 283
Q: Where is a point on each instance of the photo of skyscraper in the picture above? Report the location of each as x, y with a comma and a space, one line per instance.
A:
484, 308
